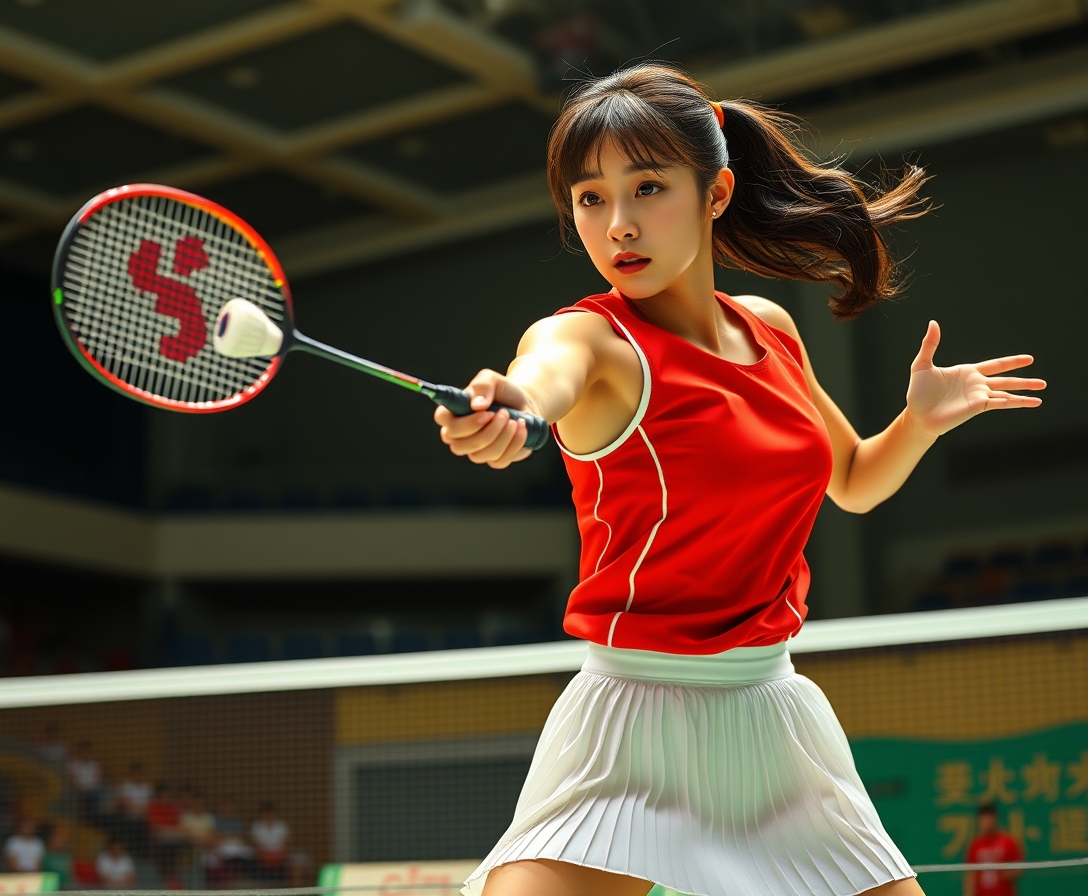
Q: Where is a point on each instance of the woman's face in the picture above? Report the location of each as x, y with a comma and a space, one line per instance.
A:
643, 228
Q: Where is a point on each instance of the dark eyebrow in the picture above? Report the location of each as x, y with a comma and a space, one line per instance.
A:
633, 168
586, 175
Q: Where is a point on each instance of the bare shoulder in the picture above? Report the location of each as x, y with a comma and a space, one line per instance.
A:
770, 312
574, 328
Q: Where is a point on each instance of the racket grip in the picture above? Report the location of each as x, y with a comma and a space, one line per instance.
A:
460, 402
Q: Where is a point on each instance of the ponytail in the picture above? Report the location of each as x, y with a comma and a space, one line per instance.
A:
791, 217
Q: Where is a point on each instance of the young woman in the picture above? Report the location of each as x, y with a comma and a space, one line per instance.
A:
687, 752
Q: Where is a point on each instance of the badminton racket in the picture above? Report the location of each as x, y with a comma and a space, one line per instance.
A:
148, 280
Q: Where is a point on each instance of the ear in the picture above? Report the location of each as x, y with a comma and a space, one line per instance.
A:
721, 191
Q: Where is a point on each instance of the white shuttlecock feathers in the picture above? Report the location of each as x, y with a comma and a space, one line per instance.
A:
242, 330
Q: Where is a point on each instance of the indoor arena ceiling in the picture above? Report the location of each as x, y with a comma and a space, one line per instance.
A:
349, 130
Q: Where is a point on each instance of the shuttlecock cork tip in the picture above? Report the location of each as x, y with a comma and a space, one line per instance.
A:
242, 330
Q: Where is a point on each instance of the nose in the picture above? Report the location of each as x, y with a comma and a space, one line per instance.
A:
621, 225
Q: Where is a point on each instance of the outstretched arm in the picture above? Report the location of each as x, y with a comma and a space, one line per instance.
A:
557, 359
868, 471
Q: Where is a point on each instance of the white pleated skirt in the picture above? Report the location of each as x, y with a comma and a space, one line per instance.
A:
711, 775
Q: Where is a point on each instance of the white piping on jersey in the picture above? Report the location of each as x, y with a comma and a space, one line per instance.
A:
612, 627
643, 403
800, 621
600, 491
657, 525
650, 539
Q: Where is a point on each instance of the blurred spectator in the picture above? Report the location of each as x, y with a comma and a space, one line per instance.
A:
164, 833
51, 748
232, 858
58, 854
134, 795
300, 870
115, 867
991, 845
270, 835
135, 792
85, 776
196, 823
24, 850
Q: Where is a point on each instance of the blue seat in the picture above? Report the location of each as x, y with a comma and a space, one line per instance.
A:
1033, 589
933, 600
409, 642
1076, 585
1009, 558
191, 650
461, 639
962, 565
1057, 553
302, 646
355, 644
242, 648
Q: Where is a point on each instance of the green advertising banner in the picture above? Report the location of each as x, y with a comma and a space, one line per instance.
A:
927, 792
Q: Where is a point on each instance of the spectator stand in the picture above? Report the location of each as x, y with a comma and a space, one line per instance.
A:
1009, 573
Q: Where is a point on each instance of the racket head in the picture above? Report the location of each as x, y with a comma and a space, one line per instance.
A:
139, 276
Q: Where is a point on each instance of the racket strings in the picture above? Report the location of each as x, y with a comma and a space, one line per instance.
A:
145, 314
133, 336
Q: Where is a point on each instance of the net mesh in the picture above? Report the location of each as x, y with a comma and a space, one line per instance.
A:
143, 281
400, 786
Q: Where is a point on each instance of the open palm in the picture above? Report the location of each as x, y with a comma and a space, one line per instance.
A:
941, 398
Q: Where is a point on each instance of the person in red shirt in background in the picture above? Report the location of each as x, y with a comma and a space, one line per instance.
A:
991, 845
163, 822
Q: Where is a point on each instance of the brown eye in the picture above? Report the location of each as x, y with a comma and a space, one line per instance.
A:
647, 189
588, 199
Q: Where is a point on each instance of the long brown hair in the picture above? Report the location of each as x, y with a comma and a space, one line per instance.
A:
789, 216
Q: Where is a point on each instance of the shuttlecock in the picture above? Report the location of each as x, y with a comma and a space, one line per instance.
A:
242, 330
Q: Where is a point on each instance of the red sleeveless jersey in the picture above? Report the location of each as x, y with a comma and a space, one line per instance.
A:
694, 519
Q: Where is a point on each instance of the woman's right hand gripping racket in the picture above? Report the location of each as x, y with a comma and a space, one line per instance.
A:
175, 301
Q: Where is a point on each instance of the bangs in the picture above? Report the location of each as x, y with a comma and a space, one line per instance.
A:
648, 139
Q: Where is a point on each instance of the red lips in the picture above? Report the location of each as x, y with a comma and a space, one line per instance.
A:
629, 262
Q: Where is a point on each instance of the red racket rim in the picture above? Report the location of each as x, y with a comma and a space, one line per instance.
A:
94, 367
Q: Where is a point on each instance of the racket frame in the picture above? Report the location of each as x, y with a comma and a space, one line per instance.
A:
133, 191
457, 400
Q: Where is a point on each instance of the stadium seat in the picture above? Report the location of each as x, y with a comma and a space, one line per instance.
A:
191, 650
243, 648
460, 638
302, 646
933, 600
1076, 585
1033, 589
355, 644
962, 565
409, 642
1056, 553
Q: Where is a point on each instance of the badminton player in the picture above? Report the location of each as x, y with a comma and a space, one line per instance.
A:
687, 752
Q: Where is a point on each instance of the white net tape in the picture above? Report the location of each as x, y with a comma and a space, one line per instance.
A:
160, 351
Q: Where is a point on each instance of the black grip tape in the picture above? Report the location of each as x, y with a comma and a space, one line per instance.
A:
460, 402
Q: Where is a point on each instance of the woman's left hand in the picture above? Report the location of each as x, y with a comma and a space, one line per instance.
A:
941, 398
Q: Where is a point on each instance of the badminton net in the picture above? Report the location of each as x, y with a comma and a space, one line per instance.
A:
397, 773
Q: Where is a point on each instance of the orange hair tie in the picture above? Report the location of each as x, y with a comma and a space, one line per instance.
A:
719, 113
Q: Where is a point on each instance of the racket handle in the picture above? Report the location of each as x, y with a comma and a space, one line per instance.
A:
460, 402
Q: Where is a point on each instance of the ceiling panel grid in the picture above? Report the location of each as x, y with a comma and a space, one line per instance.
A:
352, 129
